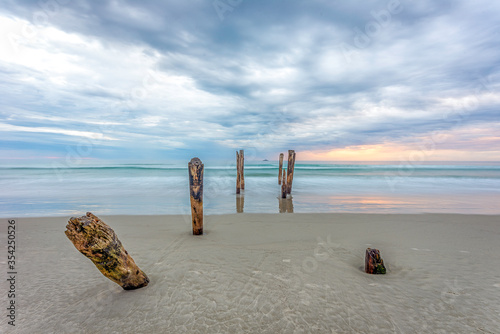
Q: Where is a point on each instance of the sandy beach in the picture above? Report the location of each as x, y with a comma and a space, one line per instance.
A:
265, 273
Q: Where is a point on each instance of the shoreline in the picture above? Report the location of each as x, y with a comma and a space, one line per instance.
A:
361, 188
256, 213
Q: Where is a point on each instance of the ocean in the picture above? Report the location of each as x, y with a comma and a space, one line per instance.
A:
153, 188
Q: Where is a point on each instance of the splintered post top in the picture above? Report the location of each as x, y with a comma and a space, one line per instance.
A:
196, 162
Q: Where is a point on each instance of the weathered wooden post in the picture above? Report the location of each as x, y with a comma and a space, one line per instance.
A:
373, 262
242, 169
290, 169
238, 175
283, 185
97, 241
280, 168
196, 193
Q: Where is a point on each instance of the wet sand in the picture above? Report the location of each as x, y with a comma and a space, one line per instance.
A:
264, 273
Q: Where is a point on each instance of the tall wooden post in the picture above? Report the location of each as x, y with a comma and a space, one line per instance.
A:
280, 168
238, 175
283, 185
196, 191
290, 169
242, 169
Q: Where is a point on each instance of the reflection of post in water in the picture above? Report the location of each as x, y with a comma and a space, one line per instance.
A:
240, 203
285, 204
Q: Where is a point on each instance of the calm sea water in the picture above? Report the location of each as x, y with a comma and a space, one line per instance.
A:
56, 189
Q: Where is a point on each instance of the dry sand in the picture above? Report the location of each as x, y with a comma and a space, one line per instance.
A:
265, 273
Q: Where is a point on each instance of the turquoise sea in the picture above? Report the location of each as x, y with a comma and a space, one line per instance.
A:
62, 189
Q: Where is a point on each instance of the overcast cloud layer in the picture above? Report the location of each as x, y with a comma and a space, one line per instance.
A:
174, 79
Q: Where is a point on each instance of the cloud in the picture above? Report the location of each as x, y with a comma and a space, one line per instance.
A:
82, 134
318, 76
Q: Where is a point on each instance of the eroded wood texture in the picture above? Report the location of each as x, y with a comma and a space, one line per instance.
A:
242, 169
284, 187
195, 167
373, 262
97, 241
238, 174
280, 170
290, 170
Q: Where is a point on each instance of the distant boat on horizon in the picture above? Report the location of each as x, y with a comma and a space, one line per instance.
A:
265, 160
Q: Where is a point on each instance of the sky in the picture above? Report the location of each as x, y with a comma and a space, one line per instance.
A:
333, 80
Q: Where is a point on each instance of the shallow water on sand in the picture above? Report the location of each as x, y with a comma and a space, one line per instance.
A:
59, 189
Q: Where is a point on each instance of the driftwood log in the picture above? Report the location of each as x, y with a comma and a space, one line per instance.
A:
196, 194
97, 241
280, 174
373, 262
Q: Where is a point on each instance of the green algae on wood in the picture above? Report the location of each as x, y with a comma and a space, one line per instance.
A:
374, 263
97, 241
